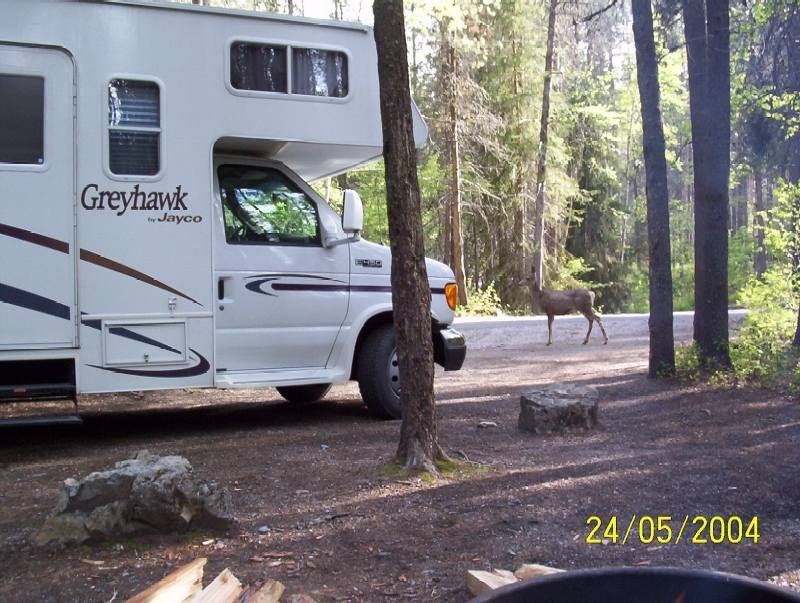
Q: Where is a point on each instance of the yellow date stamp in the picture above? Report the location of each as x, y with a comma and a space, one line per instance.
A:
669, 529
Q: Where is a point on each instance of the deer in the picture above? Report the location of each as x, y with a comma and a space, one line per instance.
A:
558, 303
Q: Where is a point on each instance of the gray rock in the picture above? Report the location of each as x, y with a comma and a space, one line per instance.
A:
145, 494
558, 409
209, 504
108, 520
70, 527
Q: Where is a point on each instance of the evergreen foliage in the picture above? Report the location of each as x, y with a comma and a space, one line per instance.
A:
596, 219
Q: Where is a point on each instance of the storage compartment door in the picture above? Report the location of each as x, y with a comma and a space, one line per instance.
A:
144, 343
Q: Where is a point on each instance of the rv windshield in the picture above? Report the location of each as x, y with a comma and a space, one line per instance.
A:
261, 205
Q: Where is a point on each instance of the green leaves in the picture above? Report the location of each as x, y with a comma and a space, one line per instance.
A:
761, 351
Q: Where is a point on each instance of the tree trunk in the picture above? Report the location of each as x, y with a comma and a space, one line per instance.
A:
521, 211
708, 54
793, 171
411, 294
760, 258
541, 168
457, 238
662, 340
796, 340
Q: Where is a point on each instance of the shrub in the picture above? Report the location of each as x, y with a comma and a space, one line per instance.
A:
481, 302
760, 352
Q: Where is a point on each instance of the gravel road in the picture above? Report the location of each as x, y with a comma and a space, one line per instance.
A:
507, 349
502, 331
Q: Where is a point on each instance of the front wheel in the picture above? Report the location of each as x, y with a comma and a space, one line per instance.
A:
304, 393
378, 375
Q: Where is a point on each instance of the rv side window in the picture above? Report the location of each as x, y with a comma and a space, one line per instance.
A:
134, 128
258, 67
261, 205
265, 68
319, 72
21, 119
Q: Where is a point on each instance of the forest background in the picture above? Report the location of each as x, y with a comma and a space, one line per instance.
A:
478, 76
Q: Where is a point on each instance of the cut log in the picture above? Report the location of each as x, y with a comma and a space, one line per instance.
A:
179, 586
269, 592
225, 588
479, 582
534, 570
504, 573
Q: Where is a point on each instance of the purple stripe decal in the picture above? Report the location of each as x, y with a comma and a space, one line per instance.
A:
128, 334
32, 301
88, 256
103, 262
200, 368
35, 238
255, 286
276, 275
373, 288
308, 287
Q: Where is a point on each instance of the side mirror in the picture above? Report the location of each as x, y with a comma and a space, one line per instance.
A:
353, 213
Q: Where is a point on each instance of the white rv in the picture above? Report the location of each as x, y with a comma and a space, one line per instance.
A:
156, 226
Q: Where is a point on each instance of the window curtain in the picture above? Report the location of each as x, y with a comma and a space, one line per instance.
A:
319, 72
258, 67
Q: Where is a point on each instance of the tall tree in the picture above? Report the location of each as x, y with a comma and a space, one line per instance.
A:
708, 56
454, 206
541, 167
662, 340
418, 449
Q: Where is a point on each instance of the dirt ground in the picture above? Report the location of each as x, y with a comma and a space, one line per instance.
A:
338, 531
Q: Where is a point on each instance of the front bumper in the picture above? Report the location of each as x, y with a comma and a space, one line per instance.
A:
449, 349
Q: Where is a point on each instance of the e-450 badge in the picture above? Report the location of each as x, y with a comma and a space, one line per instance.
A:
369, 263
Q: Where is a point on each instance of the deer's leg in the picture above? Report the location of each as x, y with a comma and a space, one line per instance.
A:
602, 329
589, 332
549, 329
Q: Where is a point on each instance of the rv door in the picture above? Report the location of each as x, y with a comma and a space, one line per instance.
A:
37, 216
281, 295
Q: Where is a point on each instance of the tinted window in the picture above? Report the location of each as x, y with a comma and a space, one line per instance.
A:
319, 72
133, 152
134, 127
21, 119
261, 205
258, 67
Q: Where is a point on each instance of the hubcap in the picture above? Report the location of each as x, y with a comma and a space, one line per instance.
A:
393, 372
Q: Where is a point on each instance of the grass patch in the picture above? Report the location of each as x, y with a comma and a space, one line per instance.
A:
448, 469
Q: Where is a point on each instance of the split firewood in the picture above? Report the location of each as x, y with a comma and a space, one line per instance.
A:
479, 582
225, 588
534, 570
269, 592
504, 573
177, 587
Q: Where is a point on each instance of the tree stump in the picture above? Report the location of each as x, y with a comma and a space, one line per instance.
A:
558, 409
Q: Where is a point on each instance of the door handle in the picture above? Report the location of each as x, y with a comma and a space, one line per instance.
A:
221, 289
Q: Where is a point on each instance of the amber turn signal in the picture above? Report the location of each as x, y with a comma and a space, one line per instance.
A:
451, 295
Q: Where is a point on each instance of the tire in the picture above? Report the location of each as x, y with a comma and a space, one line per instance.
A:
304, 393
377, 374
